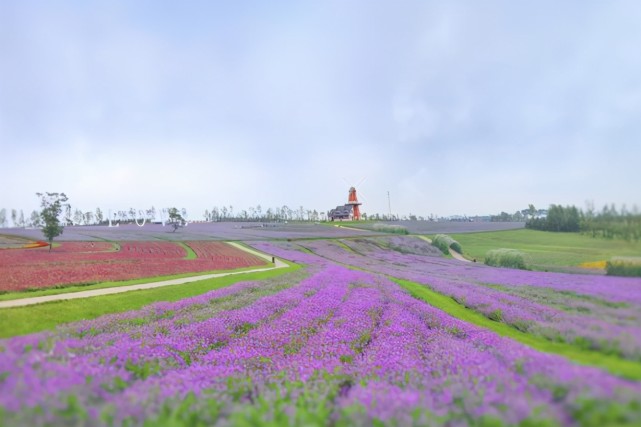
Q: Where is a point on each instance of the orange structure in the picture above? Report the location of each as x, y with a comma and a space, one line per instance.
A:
353, 200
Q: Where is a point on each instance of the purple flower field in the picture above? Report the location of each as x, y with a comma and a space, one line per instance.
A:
326, 345
248, 230
195, 231
601, 313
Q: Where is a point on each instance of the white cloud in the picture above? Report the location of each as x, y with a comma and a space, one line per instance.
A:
453, 108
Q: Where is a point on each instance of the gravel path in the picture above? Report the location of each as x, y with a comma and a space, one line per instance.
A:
116, 290
454, 254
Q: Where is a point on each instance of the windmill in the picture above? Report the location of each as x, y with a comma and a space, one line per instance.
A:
352, 200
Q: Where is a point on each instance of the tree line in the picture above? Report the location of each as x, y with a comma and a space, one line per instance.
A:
607, 223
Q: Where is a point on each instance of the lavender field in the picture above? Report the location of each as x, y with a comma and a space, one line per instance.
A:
197, 231
251, 230
333, 345
595, 312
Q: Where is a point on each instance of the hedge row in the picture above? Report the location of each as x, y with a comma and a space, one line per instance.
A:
445, 243
503, 257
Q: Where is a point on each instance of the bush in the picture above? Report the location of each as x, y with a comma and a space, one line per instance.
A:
390, 228
630, 267
510, 258
445, 242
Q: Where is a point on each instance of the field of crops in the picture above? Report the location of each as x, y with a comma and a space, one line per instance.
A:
95, 262
330, 345
595, 312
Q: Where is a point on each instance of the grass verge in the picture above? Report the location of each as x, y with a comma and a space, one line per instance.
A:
190, 252
35, 318
548, 250
615, 365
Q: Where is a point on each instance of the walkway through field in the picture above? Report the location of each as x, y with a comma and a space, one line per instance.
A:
454, 254
116, 290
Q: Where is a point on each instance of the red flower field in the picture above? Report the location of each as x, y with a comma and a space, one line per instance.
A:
94, 262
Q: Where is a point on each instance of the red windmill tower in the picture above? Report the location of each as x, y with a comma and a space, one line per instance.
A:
353, 200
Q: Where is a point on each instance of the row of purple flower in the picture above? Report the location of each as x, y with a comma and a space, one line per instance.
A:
600, 312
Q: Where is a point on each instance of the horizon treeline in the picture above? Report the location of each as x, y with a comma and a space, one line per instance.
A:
607, 223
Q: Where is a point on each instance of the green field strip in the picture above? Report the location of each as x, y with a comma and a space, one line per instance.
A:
547, 249
36, 318
615, 365
190, 252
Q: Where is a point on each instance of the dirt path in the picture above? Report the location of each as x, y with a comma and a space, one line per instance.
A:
116, 290
454, 254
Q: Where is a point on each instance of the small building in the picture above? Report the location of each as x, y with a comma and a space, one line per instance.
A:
340, 213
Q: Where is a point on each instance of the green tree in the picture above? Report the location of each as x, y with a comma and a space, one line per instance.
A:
531, 210
52, 205
3, 217
176, 220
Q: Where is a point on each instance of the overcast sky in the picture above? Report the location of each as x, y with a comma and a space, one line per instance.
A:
453, 107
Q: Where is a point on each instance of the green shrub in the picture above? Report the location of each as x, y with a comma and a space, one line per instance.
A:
445, 243
624, 266
390, 228
510, 258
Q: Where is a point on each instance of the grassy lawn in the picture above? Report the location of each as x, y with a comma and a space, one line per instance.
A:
613, 364
546, 249
40, 317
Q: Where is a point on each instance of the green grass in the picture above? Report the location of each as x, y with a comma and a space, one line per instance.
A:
190, 252
25, 320
547, 250
615, 365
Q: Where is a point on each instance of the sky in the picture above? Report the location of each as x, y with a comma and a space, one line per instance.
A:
428, 107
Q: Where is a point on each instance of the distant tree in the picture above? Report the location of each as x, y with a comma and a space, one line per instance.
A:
68, 217
176, 220
35, 220
21, 220
99, 216
14, 218
78, 216
3, 217
559, 218
151, 213
52, 205
502, 217
88, 217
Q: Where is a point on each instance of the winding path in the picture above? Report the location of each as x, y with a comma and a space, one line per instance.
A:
454, 254
119, 289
